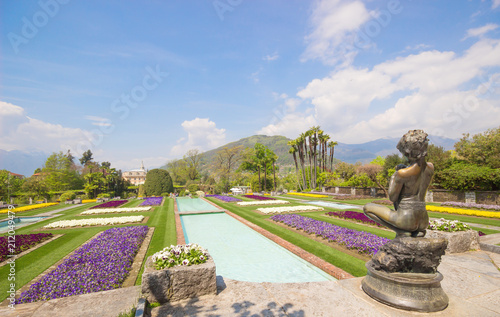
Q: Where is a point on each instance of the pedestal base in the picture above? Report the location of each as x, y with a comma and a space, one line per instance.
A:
409, 291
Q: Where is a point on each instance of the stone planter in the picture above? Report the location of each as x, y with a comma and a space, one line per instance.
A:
458, 242
179, 282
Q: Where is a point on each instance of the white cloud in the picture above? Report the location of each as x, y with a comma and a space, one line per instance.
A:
202, 135
495, 4
480, 31
99, 121
270, 58
432, 90
291, 125
20, 132
335, 25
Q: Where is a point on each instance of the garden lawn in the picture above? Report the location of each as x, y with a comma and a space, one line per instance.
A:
34, 263
340, 259
165, 233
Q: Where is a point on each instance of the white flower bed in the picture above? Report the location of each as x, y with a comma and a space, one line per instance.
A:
272, 210
263, 202
94, 222
114, 210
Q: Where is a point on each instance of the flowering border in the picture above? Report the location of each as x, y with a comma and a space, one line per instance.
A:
93, 222
115, 210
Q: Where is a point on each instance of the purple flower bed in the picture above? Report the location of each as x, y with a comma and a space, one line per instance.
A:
257, 197
470, 205
99, 265
363, 242
353, 215
110, 204
152, 201
227, 199
22, 243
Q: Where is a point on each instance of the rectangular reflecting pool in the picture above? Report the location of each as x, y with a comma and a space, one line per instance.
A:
243, 254
186, 204
20, 221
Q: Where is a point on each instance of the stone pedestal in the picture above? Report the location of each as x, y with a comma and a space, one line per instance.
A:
179, 282
409, 291
403, 274
458, 242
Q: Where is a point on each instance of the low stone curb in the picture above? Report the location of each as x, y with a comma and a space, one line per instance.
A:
142, 309
138, 260
490, 247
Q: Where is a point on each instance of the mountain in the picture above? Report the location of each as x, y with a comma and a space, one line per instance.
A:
366, 152
350, 153
278, 144
21, 162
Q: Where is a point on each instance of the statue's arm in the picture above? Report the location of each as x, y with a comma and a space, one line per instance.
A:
395, 186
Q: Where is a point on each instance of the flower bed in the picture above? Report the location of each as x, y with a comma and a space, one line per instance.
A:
152, 201
353, 215
227, 199
263, 202
26, 208
257, 197
448, 225
114, 210
84, 201
110, 204
275, 210
187, 254
342, 196
468, 212
22, 243
470, 205
363, 242
308, 195
99, 265
94, 222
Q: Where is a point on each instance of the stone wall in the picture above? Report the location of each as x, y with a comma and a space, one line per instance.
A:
433, 195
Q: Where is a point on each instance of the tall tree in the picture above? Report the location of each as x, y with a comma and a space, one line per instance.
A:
192, 159
158, 181
482, 149
226, 162
86, 157
59, 173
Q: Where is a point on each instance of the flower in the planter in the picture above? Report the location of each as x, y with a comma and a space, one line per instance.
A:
185, 262
202, 258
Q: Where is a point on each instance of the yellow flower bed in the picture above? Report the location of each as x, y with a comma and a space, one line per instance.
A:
308, 195
89, 201
29, 207
468, 212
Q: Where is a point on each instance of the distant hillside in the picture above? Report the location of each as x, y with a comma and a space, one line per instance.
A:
278, 144
350, 153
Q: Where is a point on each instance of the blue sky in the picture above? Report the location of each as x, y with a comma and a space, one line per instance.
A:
151, 80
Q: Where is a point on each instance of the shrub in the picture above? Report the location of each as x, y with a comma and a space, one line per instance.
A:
67, 196
158, 181
193, 188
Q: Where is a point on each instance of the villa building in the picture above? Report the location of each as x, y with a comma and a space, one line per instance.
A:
137, 176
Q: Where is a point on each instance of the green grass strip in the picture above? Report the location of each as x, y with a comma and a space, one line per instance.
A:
164, 235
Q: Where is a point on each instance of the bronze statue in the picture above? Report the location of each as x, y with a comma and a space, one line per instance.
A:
407, 189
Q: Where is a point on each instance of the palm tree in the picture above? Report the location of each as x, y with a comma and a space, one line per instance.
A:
293, 150
332, 145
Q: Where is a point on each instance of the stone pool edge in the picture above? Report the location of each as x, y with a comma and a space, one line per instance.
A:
303, 254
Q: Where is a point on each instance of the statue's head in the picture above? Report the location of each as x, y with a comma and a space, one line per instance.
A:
413, 144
